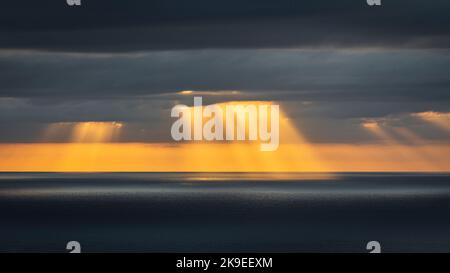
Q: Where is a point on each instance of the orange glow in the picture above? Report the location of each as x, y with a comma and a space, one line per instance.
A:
92, 149
238, 156
160, 157
371, 125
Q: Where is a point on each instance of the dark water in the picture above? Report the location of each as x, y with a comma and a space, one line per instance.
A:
225, 212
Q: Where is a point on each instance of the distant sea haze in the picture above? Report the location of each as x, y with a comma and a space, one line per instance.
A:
224, 212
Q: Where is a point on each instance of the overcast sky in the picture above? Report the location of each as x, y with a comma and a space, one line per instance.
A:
331, 64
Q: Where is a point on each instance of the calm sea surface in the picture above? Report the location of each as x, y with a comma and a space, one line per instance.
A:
191, 212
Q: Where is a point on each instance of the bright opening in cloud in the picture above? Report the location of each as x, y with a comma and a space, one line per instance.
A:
438, 119
96, 147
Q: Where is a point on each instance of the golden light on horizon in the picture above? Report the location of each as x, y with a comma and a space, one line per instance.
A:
247, 156
92, 147
165, 157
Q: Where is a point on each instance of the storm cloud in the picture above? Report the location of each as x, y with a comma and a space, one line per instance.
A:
330, 64
307, 75
115, 25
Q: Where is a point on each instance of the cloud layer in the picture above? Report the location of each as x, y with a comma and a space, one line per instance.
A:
112, 25
331, 64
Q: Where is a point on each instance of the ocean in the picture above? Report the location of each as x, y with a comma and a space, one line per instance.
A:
224, 212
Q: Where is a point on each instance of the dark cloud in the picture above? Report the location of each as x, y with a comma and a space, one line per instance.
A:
112, 60
326, 93
115, 25
268, 74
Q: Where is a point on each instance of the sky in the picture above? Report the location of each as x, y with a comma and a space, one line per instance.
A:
361, 88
